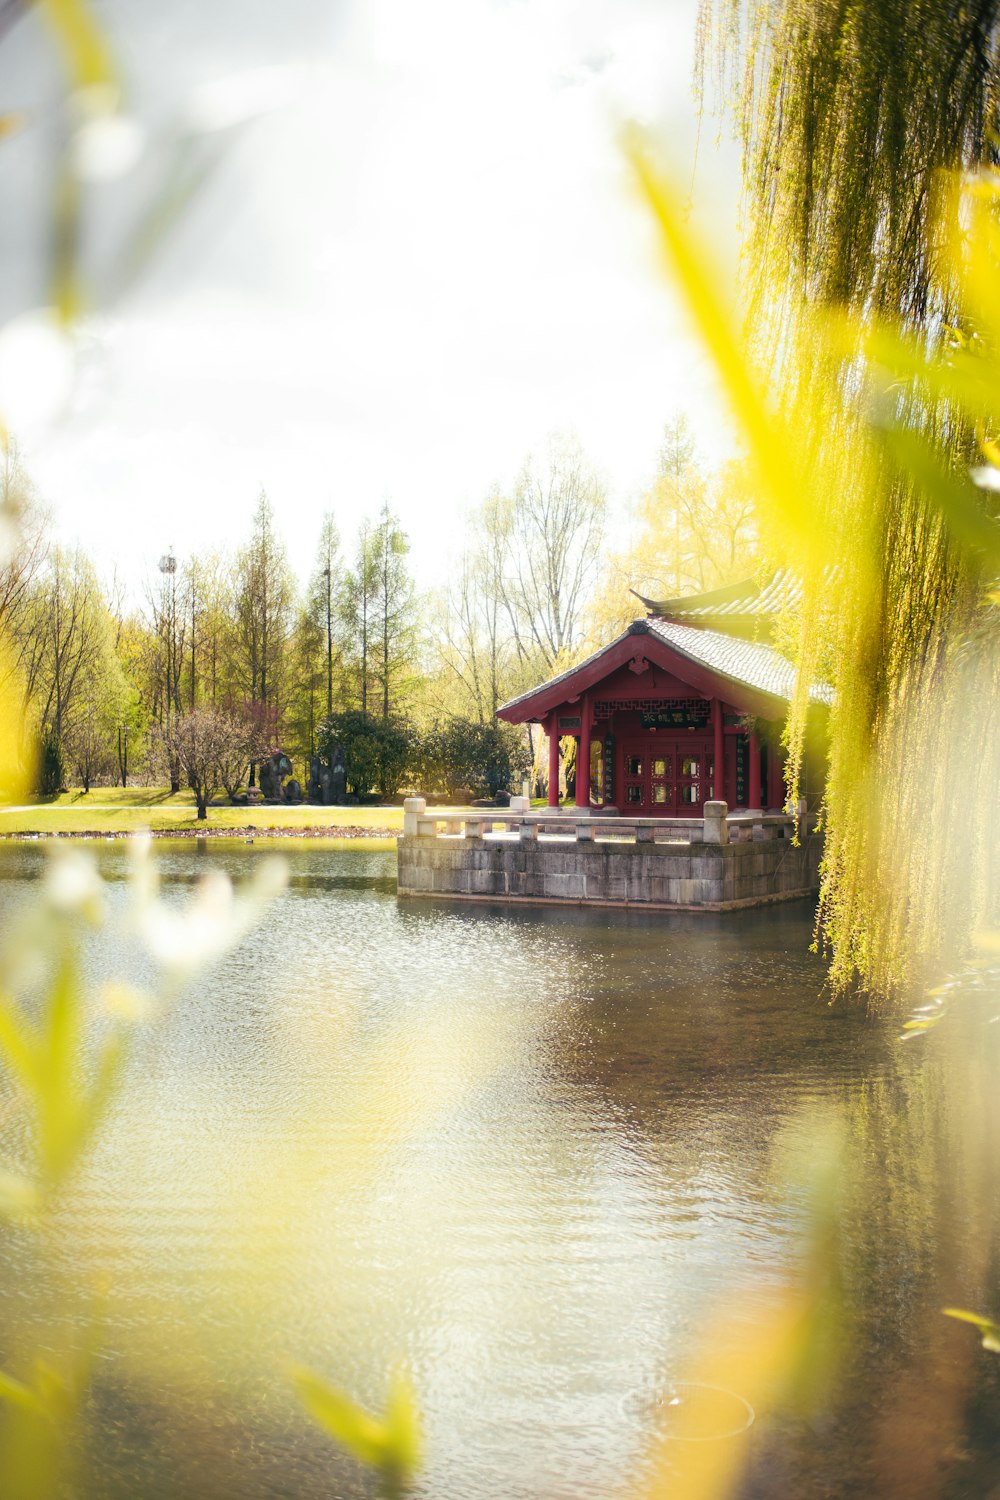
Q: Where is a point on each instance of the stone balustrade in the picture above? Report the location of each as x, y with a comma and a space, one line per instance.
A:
517, 824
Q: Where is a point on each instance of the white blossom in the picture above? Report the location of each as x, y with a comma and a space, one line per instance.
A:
72, 885
182, 940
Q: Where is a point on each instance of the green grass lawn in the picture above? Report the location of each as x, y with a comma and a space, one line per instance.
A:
129, 809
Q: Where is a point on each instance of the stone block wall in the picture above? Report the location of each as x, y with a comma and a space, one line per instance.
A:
709, 877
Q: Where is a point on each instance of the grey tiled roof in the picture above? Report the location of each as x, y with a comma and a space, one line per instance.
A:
749, 662
737, 602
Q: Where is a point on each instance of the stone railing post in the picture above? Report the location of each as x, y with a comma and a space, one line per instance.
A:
716, 821
528, 833
412, 809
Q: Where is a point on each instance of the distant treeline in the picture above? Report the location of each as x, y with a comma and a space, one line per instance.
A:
353, 646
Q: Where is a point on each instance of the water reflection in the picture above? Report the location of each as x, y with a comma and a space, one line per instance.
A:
530, 1152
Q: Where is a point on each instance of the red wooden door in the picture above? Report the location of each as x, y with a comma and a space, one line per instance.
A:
692, 784
665, 778
634, 777
662, 793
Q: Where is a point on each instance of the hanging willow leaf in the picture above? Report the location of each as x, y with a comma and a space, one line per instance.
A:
945, 493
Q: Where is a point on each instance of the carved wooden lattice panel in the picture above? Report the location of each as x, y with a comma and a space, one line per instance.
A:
605, 707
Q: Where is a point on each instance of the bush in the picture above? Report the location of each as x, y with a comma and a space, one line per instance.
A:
377, 752
463, 755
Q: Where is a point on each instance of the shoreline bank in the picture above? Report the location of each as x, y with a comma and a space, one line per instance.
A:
249, 830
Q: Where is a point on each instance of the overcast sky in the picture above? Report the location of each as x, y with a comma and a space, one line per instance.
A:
420, 258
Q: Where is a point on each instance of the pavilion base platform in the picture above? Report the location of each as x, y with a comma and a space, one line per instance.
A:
714, 863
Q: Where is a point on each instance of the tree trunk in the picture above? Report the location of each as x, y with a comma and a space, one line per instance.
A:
202, 808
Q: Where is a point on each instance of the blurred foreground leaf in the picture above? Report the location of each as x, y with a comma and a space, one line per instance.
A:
389, 1445
47, 1062
770, 445
41, 1409
778, 1351
17, 758
82, 42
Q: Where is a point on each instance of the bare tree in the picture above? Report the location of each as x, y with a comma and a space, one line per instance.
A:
212, 747
552, 532
473, 633
65, 638
324, 591
90, 749
680, 484
24, 546
698, 528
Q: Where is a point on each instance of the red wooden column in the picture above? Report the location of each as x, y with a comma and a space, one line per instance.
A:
719, 779
553, 731
583, 753
754, 780
775, 779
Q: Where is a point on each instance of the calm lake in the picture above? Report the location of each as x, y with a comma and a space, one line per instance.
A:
552, 1161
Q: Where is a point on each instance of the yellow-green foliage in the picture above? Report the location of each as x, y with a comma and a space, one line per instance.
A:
854, 120
861, 456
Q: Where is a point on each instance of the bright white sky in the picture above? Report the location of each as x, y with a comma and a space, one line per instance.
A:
395, 284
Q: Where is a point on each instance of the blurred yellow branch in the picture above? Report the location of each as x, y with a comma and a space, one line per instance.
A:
769, 444
389, 1445
81, 40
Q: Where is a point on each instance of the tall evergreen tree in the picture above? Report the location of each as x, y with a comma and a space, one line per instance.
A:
264, 594
358, 614
395, 620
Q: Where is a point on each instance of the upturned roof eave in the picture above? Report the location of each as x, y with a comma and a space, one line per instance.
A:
746, 590
567, 679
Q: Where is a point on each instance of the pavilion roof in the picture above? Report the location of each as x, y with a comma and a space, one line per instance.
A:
749, 674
